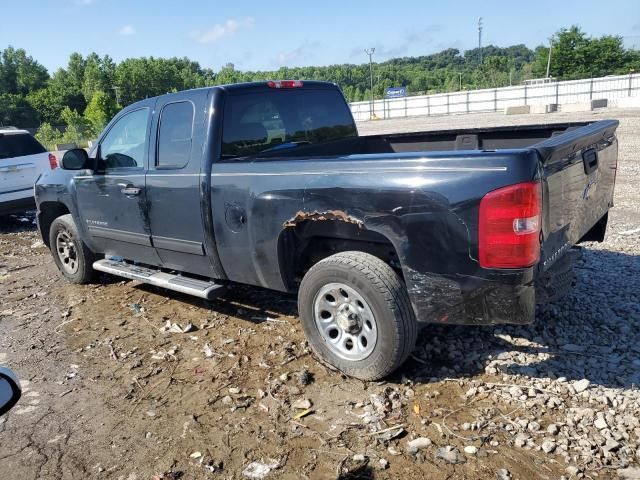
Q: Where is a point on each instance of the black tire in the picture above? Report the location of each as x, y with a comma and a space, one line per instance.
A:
384, 293
81, 257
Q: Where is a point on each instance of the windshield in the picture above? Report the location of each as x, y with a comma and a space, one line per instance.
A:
270, 120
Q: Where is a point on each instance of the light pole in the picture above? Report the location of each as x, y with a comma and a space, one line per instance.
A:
480, 39
549, 57
370, 51
117, 90
460, 89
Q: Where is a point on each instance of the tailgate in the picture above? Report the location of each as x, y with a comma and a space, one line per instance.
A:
20, 173
579, 175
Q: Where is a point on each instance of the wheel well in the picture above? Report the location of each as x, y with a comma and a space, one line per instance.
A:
49, 211
302, 246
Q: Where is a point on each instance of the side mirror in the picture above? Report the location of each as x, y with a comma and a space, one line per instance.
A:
75, 159
10, 391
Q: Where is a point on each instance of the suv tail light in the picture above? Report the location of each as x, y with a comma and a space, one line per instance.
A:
53, 161
509, 226
284, 83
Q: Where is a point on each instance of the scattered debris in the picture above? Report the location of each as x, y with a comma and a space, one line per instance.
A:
302, 414
259, 470
302, 404
581, 385
304, 377
503, 474
170, 475
450, 455
417, 444
471, 449
137, 309
548, 446
389, 433
176, 328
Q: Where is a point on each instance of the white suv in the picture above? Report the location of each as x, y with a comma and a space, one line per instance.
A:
22, 160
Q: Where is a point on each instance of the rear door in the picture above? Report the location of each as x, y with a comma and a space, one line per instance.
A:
22, 159
579, 176
173, 182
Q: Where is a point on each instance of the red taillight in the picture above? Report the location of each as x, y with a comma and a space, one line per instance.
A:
284, 83
509, 226
53, 161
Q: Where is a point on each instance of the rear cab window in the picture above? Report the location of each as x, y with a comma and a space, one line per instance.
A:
14, 145
276, 119
175, 135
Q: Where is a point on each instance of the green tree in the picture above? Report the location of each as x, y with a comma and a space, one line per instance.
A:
575, 55
49, 136
20, 73
78, 128
16, 111
99, 111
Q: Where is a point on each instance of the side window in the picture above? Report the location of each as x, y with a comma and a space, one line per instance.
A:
124, 144
174, 135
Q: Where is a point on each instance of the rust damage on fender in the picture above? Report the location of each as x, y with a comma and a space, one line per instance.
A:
316, 216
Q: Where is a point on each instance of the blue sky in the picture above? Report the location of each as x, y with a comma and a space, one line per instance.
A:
268, 34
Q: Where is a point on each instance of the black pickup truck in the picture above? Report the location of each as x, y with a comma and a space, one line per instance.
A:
269, 184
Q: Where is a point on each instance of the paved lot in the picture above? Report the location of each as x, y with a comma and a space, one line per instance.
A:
109, 395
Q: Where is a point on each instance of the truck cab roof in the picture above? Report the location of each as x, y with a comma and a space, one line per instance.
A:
245, 87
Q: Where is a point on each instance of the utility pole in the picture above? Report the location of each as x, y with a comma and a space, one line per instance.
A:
480, 39
117, 90
370, 51
460, 81
549, 57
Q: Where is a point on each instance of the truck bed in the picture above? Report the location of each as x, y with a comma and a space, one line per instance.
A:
495, 138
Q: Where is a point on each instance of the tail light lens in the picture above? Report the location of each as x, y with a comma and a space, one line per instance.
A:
53, 161
509, 226
284, 83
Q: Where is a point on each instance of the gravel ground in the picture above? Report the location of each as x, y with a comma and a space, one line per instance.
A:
110, 393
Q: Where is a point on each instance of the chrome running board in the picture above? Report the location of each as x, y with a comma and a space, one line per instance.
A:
178, 283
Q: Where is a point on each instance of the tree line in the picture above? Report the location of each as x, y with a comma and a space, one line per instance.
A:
82, 97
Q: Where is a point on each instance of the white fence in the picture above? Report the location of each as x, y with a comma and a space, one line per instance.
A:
497, 99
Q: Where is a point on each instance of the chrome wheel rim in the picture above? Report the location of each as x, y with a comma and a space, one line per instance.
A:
67, 253
345, 321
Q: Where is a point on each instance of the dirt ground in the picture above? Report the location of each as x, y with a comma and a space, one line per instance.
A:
107, 394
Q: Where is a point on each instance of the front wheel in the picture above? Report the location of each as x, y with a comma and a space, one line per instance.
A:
71, 255
356, 314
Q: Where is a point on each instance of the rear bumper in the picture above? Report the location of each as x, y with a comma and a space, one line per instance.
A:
505, 297
17, 205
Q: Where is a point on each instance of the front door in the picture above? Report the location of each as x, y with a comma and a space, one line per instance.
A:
113, 202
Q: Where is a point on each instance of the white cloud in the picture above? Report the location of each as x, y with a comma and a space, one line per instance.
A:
126, 31
219, 31
298, 56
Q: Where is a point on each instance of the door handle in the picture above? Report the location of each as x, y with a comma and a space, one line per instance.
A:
590, 160
130, 191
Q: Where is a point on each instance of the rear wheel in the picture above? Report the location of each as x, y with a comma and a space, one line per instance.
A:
356, 314
71, 255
